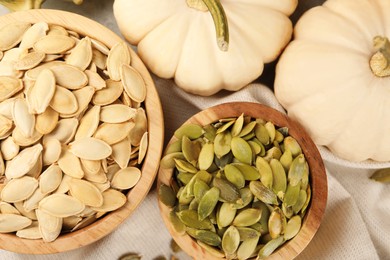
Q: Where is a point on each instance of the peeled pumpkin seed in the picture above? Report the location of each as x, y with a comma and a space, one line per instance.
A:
247, 248
292, 228
12, 34
205, 236
230, 241
300, 202
90, 148
225, 126
192, 131
292, 145
191, 150
208, 202
279, 184
19, 189
69, 76
234, 175
190, 219
266, 176
9, 86
23, 162
126, 178
297, 170
263, 193
222, 143
269, 248
238, 125
292, 194
13, 222
241, 150
61, 205
247, 217
275, 223
206, 156
249, 172
228, 192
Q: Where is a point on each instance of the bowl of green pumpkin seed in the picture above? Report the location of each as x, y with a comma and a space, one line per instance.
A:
241, 180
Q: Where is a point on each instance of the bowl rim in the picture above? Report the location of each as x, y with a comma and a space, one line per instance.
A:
104, 226
318, 178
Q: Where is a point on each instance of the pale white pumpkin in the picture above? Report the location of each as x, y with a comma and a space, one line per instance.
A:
327, 80
177, 41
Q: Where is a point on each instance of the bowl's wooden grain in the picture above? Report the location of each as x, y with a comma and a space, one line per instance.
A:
86, 27
318, 179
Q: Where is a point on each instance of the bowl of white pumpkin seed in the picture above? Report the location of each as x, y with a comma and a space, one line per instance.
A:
241, 180
77, 108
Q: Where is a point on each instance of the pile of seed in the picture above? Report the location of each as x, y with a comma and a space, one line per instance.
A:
73, 130
240, 186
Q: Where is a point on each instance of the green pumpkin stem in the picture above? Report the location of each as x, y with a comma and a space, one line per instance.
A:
380, 61
219, 17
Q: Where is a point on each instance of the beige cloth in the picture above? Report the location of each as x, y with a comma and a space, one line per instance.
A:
356, 224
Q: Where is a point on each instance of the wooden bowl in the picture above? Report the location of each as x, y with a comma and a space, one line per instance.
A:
111, 221
318, 179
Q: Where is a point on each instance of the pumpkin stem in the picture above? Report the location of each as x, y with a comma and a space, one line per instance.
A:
380, 61
219, 17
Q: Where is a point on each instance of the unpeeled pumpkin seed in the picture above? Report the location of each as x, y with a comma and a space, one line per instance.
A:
13, 222
61, 205
19, 189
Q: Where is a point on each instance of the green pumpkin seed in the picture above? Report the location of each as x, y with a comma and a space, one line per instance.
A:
234, 175
297, 170
222, 143
190, 219
224, 160
241, 150
208, 202
306, 204
381, 175
238, 124
263, 193
286, 160
230, 241
173, 147
206, 156
192, 131
292, 145
275, 226
265, 213
177, 225
249, 172
130, 256
262, 134
247, 217
300, 202
273, 153
292, 194
168, 160
247, 247
269, 248
292, 228
248, 128
212, 250
226, 214
209, 132
279, 137
228, 192
287, 210
256, 148
166, 195
283, 131
248, 233
271, 131
205, 236
279, 184
225, 126
191, 150
246, 198
200, 189
266, 176
184, 166
184, 177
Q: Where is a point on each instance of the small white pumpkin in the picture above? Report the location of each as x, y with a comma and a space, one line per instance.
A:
177, 39
334, 77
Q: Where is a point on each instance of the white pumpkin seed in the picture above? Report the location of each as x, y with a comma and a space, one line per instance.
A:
81, 54
116, 113
86, 192
22, 118
19, 189
23, 162
91, 166
33, 34
133, 83
47, 121
32, 202
30, 60
49, 226
143, 147
121, 152
50, 179
30, 232
90, 148
53, 44
11, 34
95, 80
126, 178
7, 208
64, 101
9, 86
118, 55
41, 93
69, 76
83, 97
22, 140
89, 123
113, 133
112, 200
64, 131
12, 222
109, 94
5, 126
70, 164
61, 205
51, 151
